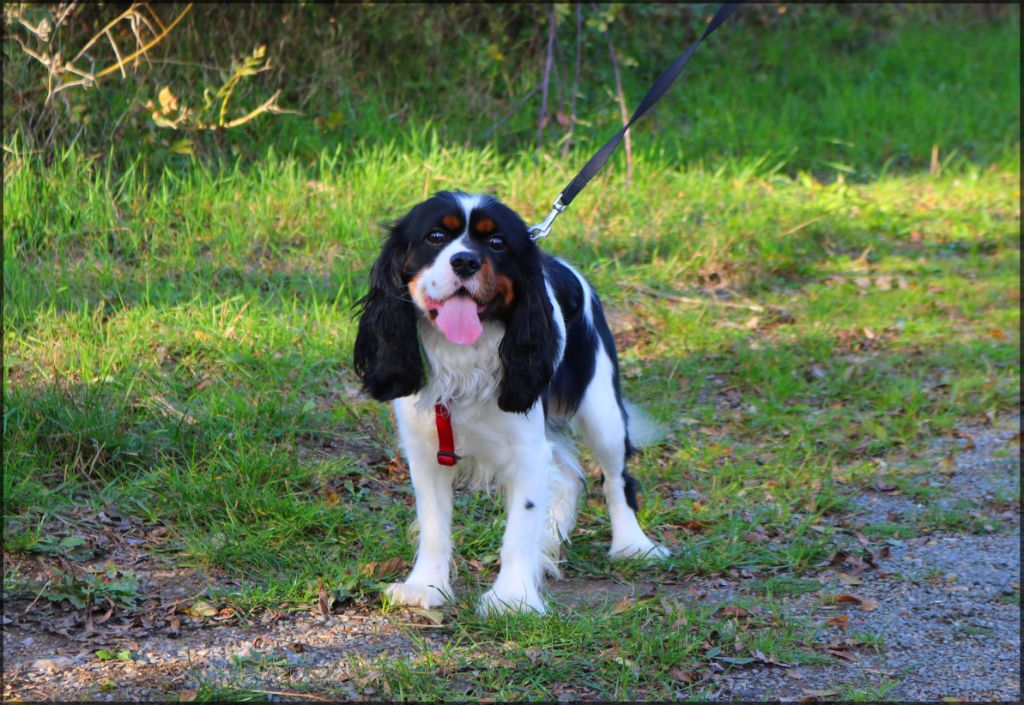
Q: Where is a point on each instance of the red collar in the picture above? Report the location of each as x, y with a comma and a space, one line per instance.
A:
445, 440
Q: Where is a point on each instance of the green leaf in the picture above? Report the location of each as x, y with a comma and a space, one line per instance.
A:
182, 146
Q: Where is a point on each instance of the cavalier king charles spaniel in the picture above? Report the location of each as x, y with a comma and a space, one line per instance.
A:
474, 333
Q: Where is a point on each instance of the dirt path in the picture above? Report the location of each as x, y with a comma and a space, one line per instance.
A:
942, 612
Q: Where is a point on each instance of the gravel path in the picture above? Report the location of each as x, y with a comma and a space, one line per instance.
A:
945, 620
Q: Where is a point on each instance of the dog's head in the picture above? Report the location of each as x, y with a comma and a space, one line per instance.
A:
457, 260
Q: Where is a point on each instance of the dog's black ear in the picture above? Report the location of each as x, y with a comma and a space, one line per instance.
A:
530, 345
387, 352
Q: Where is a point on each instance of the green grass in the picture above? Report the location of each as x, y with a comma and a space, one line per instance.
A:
177, 344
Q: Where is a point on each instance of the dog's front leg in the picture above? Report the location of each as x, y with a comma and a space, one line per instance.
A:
517, 586
429, 585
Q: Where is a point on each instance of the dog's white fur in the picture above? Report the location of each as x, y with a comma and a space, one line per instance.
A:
522, 454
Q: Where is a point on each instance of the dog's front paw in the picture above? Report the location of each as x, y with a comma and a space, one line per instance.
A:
417, 594
644, 551
495, 602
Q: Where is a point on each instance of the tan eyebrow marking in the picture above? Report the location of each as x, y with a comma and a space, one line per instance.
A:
486, 226
452, 222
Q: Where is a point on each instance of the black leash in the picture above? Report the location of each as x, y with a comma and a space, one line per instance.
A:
655, 93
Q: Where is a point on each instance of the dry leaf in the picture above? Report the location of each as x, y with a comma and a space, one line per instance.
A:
841, 654
733, 611
840, 622
968, 439
388, 567
684, 675
949, 464
323, 600
623, 605
884, 486
847, 579
168, 103
435, 617
201, 608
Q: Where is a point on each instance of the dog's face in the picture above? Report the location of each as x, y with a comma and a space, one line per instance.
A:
457, 260
463, 262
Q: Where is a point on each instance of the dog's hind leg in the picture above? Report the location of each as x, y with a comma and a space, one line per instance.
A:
603, 425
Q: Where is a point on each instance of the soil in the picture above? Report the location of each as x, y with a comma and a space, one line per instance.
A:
931, 617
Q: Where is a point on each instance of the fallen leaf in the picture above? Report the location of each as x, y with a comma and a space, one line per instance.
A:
201, 608
847, 579
841, 654
949, 464
736, 660
821, 693
884, 486
684, 675
323, 598
841, 622
187, 696
968, 439
380, 570
623, 605
867, 604
733, 611
435, 617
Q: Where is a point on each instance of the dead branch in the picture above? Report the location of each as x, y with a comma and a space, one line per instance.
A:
547, 75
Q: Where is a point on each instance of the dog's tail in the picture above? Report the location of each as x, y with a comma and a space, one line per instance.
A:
643, 430
564, 488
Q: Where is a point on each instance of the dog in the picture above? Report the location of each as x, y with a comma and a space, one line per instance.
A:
468, 323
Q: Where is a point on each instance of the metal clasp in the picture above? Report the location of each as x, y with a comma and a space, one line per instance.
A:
544, 228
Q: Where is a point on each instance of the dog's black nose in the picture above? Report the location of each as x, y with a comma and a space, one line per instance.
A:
465, 264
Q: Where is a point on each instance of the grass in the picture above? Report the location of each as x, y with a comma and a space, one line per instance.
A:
177, 344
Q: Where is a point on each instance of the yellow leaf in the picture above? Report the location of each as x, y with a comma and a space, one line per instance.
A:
183, 146
168, 103
202, 608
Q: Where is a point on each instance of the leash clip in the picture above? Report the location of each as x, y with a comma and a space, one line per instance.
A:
543, 229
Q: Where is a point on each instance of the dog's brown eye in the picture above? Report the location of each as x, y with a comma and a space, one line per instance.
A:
496, 243
435, 237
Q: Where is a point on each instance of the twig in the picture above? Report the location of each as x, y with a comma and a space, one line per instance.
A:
38, 595
801, 226
156, 40
510, 113
622, 107
294, 695
127, 13
547, 75
117, 54
697, 300
575, 81
155, 16
268, 106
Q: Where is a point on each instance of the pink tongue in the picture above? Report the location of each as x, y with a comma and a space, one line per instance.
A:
459, 320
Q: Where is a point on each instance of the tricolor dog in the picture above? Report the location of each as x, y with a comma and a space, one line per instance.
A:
472, 332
